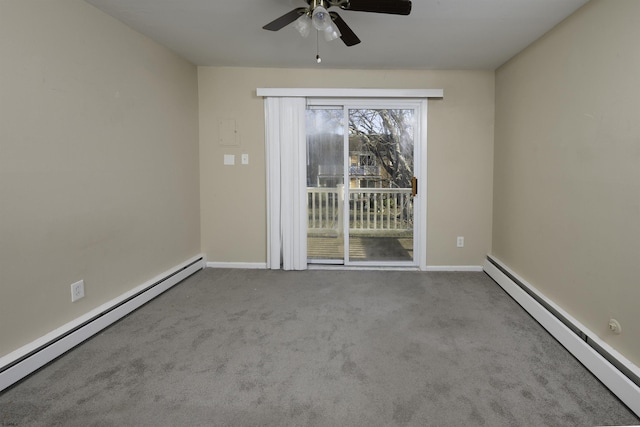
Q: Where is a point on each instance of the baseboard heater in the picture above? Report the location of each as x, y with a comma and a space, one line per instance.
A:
611, 368
26, 360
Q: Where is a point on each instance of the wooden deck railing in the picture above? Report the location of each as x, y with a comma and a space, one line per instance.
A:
370, 209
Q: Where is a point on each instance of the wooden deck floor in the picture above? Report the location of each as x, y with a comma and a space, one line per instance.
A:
361, 248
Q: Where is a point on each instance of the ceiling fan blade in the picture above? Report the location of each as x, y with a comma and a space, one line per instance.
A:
395, 7
348, 36
285, 19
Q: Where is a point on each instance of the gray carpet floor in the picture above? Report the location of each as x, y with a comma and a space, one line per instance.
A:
319, 348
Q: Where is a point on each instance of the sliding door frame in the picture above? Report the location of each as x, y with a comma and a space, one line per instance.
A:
419, 171
407, 96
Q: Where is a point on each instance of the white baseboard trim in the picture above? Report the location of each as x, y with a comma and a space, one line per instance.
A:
471, 268
31, 357
263, 266
239, 265
575, 338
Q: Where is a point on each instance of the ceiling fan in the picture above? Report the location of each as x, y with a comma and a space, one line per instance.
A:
330, 23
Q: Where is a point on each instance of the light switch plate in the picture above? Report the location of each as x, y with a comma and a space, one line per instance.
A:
245, 159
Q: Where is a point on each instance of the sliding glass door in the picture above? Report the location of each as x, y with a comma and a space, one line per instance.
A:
361, 184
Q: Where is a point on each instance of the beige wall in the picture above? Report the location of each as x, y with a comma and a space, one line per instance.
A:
460, 157
98, 163
567, 168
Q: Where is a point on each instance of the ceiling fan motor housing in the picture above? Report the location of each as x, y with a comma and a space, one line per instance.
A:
326, 3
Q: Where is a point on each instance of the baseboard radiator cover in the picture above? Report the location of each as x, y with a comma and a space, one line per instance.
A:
31, 357
616, 372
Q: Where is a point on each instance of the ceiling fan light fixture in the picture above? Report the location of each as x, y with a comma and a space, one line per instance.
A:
331, 33
321, 18
303, 25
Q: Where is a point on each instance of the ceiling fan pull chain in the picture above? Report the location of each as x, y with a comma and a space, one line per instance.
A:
318, 59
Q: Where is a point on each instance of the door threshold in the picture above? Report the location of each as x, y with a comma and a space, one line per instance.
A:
361, 267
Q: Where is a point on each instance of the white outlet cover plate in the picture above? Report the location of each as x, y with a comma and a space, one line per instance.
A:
77, 291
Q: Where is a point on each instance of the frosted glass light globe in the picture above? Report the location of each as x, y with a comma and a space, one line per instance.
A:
320, 18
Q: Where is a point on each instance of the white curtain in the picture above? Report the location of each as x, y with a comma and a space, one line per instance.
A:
286, 183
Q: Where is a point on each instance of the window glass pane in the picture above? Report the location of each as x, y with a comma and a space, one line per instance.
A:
380, 172
325, 184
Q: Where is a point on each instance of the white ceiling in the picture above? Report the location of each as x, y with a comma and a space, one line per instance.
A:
439, 34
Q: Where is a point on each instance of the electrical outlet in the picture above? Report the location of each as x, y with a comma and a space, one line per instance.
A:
460, 242
77, 291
